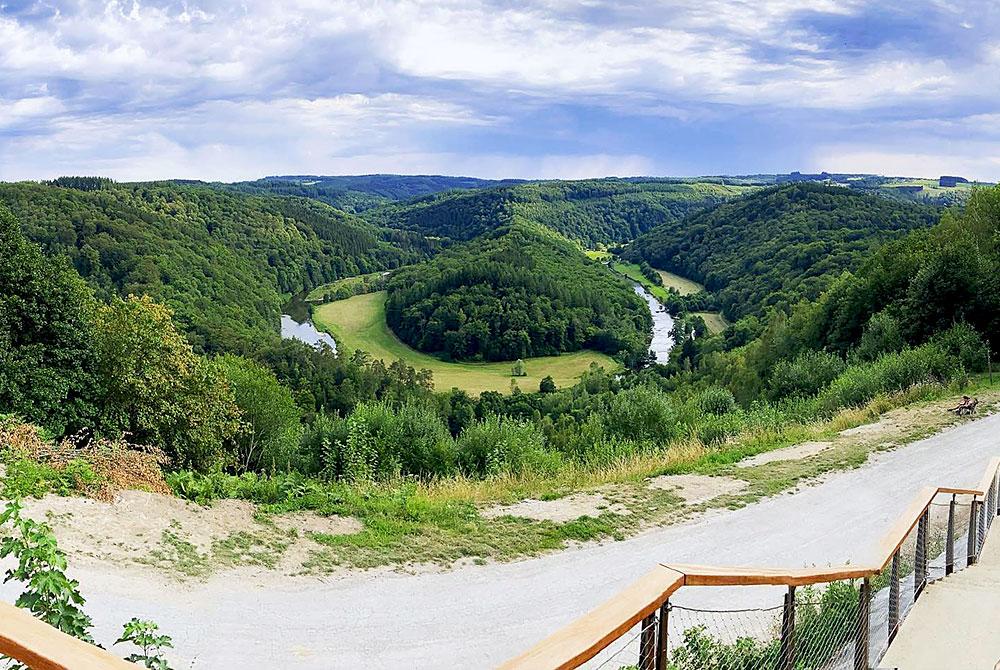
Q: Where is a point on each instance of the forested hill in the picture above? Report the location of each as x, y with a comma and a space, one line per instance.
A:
593, 211
779, 245
221, 261
519, 291
356, 193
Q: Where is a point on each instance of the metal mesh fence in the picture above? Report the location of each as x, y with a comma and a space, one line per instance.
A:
835, 626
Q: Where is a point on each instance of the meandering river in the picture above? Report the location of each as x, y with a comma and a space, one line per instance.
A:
663, 323
296, 324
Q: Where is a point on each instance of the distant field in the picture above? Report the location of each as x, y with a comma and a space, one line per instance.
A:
715, 322
597, 255
359, 323
317, 293
631, 270
683, 286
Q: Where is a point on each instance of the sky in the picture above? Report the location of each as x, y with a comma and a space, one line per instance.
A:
232, 90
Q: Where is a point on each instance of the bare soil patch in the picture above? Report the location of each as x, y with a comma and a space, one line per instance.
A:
560, 510
793, 453
695, 489
136, 525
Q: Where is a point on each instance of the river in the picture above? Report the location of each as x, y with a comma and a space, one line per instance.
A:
296, 324
663, 323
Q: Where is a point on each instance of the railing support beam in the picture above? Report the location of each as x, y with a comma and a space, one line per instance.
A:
894, 597
973, 532
662, 651
920, 559
787, 658
949, 550
864, 619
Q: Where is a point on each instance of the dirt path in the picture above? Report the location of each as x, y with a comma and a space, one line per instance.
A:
476, 616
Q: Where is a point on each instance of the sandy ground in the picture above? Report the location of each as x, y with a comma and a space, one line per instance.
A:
696, 489
132, 528
563, 509
478, 615
804, 450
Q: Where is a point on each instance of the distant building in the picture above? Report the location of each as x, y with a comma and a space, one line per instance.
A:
951, 182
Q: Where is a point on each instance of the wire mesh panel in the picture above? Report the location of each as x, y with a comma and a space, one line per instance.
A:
635, 650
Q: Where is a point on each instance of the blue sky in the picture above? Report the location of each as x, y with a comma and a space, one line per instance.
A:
235, 90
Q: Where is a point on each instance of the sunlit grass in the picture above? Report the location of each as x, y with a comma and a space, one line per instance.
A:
359, 323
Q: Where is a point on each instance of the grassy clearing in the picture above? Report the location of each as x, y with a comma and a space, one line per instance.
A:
683, 286
318, 294
359, 323
631, 270
596, 255
715, 322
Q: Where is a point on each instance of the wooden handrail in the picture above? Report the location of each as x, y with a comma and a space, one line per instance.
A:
579, 642
583, 639
42, 647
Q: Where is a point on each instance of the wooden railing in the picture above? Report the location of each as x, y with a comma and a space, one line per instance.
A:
39, 646
647, 600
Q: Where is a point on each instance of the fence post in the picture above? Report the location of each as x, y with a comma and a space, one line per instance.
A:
949, 550
894, 597
920, 559
973, 532
864, 616
787, 658
981, 535
662, 652
647, 642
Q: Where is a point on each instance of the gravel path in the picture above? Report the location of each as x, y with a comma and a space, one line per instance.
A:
477, 616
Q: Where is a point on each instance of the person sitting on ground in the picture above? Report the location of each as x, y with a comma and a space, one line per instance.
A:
962, 406
971, 407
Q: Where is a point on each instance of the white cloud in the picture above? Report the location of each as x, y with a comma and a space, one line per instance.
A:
220, 140
982, 164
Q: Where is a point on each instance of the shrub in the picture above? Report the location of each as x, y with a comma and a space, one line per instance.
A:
500, 445
889, 373
716, 401
882, 335
385, 441
806, 374
642, 413
270, 420
964, 343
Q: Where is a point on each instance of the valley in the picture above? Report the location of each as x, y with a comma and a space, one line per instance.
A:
358, 323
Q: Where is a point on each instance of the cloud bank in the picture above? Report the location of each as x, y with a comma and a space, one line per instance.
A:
223, 90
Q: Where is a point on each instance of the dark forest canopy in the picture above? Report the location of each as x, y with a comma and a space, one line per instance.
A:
593, 211
520, 291
780, 245
356, 193
221, 261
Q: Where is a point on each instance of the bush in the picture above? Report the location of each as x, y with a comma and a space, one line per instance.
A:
716, 401
889, 373
964, 343
384, 441
806, 374
270, 420
499, 445
642, 414
882, 335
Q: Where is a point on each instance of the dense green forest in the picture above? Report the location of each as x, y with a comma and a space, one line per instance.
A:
221, 261
519, 291
592, 212
919, 312
360, 192
777, 246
